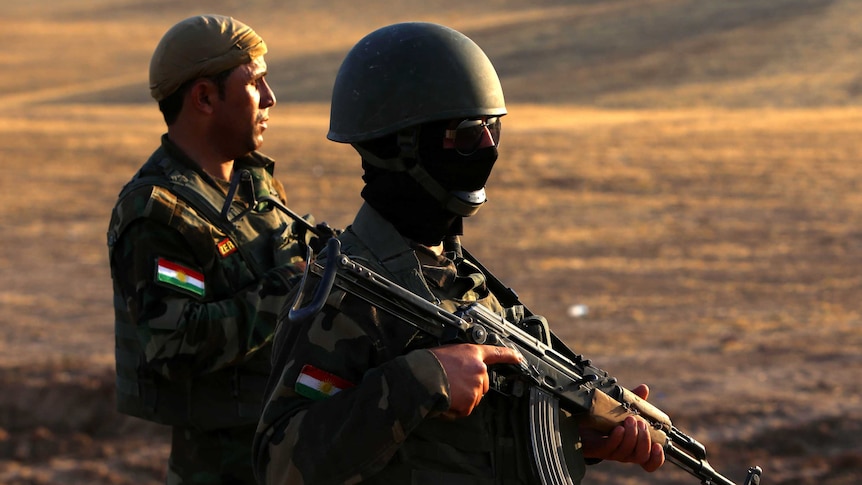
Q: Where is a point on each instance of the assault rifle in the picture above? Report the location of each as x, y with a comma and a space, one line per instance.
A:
554, 375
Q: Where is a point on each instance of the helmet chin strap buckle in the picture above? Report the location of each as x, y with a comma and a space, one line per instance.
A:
461, 207
408, 143
471, 197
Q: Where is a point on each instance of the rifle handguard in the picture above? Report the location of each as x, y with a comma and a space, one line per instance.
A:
606, 413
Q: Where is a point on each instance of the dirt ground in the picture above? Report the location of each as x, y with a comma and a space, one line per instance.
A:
718, 254
718, 250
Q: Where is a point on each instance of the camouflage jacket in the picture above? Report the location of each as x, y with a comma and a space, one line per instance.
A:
355, 396
195, 297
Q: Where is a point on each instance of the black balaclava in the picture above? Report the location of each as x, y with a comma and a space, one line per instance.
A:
403, 201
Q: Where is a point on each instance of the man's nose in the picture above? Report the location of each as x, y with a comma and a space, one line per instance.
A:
267, 98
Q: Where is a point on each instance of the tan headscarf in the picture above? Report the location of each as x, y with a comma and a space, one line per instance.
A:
201, 46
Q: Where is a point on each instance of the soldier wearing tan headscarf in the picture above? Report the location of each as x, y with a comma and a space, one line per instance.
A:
200, 275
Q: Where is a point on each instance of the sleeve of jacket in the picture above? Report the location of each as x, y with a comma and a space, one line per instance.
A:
183, 335
354, 433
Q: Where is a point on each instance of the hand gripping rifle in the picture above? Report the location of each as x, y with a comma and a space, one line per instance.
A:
555, 376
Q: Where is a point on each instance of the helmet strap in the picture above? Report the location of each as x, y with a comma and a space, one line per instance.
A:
449, 200
408, 142
408, 161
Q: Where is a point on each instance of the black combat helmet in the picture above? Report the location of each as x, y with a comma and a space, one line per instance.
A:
410, 74
407, 74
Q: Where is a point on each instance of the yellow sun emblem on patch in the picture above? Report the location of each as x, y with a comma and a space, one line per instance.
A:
325, 387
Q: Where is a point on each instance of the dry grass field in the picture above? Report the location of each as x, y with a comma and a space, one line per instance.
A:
687, 170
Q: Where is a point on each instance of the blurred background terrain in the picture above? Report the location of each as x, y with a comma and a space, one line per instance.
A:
687, 170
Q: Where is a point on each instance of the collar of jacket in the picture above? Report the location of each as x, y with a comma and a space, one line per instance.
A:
252, 160
389, 250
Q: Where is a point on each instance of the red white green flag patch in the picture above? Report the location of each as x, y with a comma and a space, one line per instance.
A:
314, 383
180, 276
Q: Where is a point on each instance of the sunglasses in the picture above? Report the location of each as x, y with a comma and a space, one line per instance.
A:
469, 135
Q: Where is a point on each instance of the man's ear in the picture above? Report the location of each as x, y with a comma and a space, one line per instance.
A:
202, 94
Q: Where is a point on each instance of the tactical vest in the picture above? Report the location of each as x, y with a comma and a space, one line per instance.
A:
233, 257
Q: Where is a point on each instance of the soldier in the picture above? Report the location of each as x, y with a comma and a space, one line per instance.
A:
358, 397
200, 267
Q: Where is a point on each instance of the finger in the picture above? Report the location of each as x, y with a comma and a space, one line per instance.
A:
610, 444
643, 448
597, 444
500, 355
628, 443
486, 385
656, 459
478, 399
642, 391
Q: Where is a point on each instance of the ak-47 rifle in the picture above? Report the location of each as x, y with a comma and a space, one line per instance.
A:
555, 376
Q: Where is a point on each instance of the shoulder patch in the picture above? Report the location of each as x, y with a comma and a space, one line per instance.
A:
179, 276
226, 247
316, 384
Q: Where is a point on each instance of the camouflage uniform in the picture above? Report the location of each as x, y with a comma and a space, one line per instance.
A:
384, 426
197, 357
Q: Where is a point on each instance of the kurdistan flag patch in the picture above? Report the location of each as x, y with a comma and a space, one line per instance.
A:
314, 383
179, 276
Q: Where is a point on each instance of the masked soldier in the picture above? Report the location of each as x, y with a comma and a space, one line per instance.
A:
201, 260
357, 396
